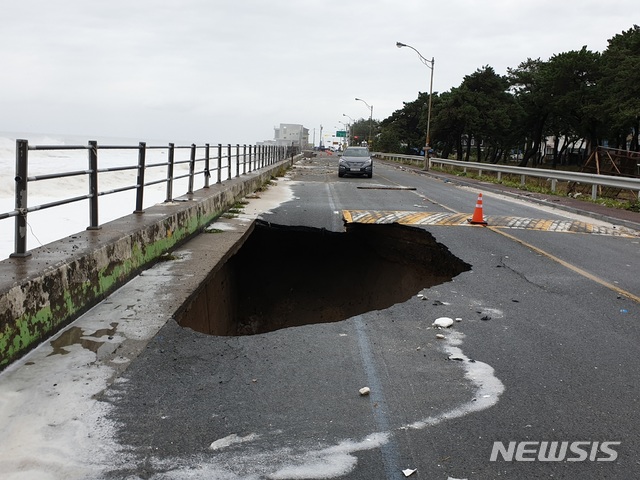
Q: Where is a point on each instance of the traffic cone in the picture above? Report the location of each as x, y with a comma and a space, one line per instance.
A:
478, 218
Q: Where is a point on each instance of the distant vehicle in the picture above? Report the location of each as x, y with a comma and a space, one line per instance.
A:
355, 161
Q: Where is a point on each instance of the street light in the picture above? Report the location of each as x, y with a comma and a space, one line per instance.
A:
346, 133
430, 64
350, 127
370, 117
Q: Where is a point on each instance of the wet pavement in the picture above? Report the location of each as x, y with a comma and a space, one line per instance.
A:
126, 392
623, 217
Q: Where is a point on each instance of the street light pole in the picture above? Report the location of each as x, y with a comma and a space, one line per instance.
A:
430, 64
370, 117
350, 132
346, 132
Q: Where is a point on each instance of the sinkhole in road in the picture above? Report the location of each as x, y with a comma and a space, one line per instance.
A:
286, 276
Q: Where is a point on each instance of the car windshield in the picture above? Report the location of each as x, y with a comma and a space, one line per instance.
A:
356, 152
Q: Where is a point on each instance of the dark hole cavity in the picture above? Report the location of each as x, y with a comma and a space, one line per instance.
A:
291, 276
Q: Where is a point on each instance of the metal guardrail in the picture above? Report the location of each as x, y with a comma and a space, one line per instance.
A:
247, 158
625, 183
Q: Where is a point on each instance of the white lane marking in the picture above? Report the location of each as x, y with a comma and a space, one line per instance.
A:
332, 461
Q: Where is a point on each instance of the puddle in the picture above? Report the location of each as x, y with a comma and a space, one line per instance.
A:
76, 336
291, 276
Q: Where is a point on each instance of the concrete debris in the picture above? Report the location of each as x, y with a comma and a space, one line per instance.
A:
443, 322
232, 440
365, 391
440, 336
407, 471
458, 319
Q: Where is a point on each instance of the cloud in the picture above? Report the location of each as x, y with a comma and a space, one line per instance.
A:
184, 69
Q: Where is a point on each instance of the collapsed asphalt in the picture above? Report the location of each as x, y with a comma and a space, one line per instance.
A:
284, 276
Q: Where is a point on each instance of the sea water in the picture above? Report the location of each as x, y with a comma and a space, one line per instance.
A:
48, 225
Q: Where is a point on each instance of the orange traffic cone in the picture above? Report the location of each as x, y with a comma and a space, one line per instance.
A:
478, 218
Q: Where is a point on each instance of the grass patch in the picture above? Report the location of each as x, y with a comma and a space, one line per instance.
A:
266, 185
236, 209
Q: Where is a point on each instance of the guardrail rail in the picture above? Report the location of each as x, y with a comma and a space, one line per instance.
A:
625, 183
223, 161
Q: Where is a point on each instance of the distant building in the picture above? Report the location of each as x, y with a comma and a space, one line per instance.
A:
289, 134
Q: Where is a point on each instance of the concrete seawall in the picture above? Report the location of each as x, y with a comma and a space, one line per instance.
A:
44, 292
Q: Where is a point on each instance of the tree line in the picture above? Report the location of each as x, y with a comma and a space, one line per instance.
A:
581, 99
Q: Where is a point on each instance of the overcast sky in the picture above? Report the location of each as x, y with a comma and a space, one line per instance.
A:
228, 71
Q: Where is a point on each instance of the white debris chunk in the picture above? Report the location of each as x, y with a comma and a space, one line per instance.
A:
365, 391
443, 322
408, 471
440, 336
232, 440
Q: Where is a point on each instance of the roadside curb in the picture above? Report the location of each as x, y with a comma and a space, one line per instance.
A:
41, 294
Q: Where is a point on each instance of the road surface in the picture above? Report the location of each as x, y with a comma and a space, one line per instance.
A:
543, 349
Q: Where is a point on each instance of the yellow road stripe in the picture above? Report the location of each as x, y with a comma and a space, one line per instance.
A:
497, 225
457, 219
570, 266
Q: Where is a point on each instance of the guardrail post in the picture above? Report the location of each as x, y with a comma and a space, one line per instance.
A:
142, 153
523, 180
170, 164
237, 160
22, 168
207, 172
554, 185
250, 151
594, 191
93, 186
229, 161
244, 159
219, 163
192, 168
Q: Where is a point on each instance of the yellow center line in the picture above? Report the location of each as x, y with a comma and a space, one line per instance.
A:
550, 256
570, 266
